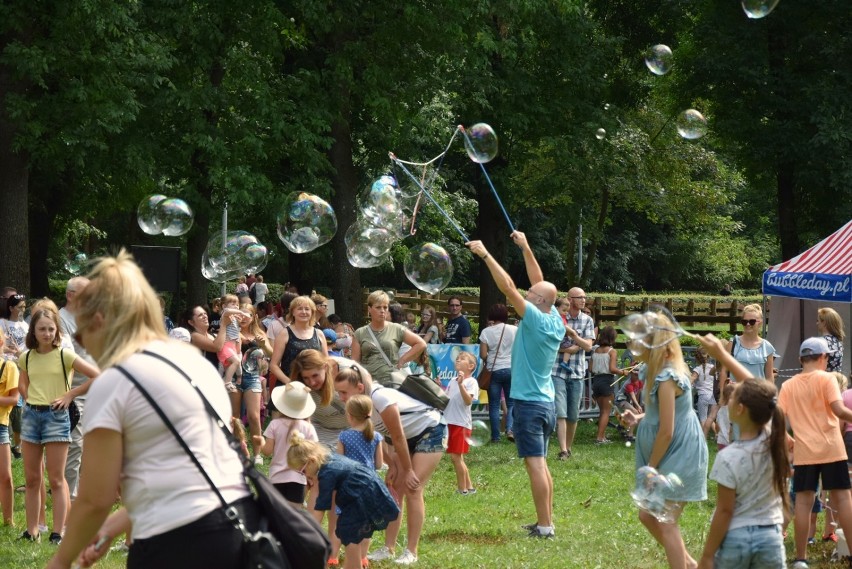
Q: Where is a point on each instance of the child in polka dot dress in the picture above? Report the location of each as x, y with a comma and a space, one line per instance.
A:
362, 444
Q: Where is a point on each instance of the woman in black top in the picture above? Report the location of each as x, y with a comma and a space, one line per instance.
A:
299, 335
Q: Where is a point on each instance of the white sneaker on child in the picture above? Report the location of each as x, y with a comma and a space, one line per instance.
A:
407, 558
380, 554
258, 460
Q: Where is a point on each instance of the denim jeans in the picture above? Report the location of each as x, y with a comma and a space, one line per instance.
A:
501, 382
758, 547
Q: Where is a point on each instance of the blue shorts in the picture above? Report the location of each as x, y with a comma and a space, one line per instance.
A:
568, 395
250, 383
4, 435
47, 426
433, 439
758, 547
533, 423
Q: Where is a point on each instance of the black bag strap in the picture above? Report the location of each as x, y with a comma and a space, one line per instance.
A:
497, 352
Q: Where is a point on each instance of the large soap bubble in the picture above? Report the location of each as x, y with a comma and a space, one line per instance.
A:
479, 433
756, 9
176, 216
659, 59
380, 205
429, 267
655, 493
149, 216
306, 222
360, 256
231, 255
253, 361
76, 262
481, 143
361, 236
691, 124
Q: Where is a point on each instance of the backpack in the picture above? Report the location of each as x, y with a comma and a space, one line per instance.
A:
252, 293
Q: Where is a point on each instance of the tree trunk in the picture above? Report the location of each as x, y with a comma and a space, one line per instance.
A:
490, 226
14, 189
595, 241
347, 286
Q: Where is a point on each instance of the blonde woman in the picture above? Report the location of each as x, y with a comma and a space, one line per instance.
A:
669, 436
830, 327
429, 328
176, 518
755, 354
300, 334
377, 344
250, 389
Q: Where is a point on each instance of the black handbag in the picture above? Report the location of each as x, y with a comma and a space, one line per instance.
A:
286, 537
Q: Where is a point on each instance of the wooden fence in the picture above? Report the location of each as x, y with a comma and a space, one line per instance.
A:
692, 315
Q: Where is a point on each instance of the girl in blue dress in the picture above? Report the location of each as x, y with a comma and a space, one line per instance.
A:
364, 501
669, 436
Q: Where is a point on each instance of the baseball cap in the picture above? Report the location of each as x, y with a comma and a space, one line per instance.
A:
330, 335
814, 346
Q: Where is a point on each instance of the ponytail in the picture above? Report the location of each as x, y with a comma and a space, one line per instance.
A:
778, 451
360, 408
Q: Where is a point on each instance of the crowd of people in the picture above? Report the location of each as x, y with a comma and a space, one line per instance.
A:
107, 393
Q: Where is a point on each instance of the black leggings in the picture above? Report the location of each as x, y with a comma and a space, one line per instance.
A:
210, 542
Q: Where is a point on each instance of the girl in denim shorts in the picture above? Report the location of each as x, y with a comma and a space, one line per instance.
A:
8, 400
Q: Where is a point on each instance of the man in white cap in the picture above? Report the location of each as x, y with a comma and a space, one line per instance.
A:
811, 400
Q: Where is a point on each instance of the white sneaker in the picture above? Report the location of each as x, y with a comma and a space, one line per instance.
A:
258, 460
407, 558
380, 554
800, 564
42, 529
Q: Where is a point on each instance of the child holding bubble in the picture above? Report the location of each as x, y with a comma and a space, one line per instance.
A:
751, 474
669, 436
461, 392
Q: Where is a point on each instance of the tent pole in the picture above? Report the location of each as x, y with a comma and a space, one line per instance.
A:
765, 317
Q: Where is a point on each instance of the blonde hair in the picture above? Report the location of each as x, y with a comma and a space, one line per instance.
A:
129, 307
302, 451
299, 302
832, 321
668, 354
360, 408
842, 380
254, 324
378, 297
753, 308
230, 299
314, 359
469, 357
43, 304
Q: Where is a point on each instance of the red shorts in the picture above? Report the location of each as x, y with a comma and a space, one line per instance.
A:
457, 443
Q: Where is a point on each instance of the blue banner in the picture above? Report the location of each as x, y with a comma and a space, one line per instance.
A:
816, 286
442, 358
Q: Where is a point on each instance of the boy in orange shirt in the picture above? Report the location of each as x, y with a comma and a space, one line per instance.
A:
811, 400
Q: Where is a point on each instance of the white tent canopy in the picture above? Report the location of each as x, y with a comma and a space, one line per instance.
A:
821, 276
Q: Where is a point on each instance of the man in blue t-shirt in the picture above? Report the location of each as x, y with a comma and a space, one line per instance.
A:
533, 352
458, 327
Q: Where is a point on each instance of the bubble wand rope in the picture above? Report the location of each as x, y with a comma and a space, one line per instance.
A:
488, 179
428, 195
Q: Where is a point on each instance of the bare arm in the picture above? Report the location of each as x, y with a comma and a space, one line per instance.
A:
585, 344
533, 270
378, 458
355, 349
10, 399
24, 384
725, 360
393, 422
418, 345
278, 353
613, 363
725, 500
501, 278
483, 351
203, 341
843, 413
666, 393
769, 368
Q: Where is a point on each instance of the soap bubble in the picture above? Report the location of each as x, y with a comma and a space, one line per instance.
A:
756, 9
256, 256
361, 258
176, 216
234, 254
600, 134
429, 267
628, 444
481, 143
691, 124
479, 434
379, 203
76, 262
362, 236
305, 222
606, 106
149, 216
655, 493
659, 59
252, 361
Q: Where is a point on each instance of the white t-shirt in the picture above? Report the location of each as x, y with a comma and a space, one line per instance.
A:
723, 437
273, 329
279, 430
16, 333
415, 416
490, 336
746, 466
457, 413
68, 324
260, 292
160, 485
704, 383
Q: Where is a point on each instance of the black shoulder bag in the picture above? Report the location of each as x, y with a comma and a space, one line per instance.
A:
287, 537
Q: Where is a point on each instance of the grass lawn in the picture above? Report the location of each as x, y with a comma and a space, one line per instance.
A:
483, 530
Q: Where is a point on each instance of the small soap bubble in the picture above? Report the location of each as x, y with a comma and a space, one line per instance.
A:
148, 215
691, 124
479, 434
628, 444
659, 59
756, 9
305, 222
429, 267
252, 360
76, 262
481, 143
607, 106
600, 134
176, 216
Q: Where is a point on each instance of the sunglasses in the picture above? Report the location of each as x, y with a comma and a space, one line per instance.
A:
751, 322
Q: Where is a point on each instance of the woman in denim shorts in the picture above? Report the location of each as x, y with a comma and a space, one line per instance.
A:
418, 436
45, 425
250, 389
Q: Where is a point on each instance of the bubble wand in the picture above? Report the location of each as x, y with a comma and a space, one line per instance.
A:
428, 195
488, 179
